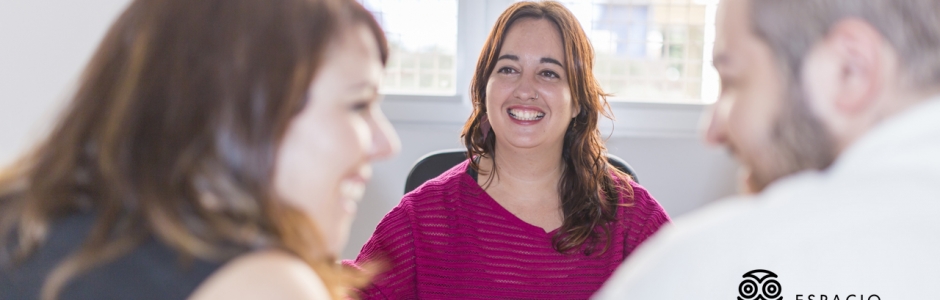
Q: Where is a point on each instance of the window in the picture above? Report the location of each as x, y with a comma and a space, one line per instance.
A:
651, 50
422, 37
647, 50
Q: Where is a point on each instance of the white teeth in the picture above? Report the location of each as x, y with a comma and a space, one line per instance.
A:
526, 115
352, 190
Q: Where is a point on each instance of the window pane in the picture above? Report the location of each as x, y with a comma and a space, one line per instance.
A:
651, 50
422, 37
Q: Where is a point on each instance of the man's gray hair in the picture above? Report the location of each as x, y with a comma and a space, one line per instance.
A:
912, 27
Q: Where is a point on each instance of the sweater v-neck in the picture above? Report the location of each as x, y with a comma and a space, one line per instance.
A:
470, 177
449, 239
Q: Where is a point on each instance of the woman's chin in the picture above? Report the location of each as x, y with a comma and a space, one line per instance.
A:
525, 141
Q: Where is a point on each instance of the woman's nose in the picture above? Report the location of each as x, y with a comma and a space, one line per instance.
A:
385, 142
525, 89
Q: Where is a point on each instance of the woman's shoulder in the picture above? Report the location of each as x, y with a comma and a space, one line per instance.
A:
269, 274
637, 196
630, 190
453, 180
640, 205
438, 196
640, 193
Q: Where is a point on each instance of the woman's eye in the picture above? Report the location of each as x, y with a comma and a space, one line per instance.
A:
550, 74
506, 70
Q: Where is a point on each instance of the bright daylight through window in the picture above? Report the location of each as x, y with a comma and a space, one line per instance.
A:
647, 50
422, 37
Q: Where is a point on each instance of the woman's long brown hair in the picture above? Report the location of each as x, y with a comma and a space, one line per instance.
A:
173, 132
589, 191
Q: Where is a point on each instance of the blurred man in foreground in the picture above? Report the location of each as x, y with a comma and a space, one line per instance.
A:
833, 108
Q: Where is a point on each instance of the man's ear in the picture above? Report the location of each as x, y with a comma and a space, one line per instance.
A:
858, 49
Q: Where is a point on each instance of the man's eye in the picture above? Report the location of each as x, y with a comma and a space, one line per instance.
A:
361, 105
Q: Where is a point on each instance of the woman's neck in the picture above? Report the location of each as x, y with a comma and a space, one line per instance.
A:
525, 183
523, 170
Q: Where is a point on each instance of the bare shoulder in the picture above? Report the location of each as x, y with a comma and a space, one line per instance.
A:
263, 275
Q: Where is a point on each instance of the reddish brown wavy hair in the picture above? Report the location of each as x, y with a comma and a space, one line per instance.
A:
173, 133
589, 191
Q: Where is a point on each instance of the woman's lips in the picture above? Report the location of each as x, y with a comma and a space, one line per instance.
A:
351, 191
525, 115
353, 187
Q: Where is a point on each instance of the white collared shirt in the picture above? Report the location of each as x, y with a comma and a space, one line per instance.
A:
869, 225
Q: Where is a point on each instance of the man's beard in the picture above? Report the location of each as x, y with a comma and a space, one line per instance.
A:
798, 142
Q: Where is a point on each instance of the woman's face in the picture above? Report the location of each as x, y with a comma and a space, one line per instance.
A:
324, 161
528, 100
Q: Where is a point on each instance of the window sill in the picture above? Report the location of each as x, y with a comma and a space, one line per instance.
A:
632, 119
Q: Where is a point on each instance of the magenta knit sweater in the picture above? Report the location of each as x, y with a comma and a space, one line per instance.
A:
448, 239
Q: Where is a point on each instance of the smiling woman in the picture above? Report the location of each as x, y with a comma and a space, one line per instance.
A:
212, 151
536, 212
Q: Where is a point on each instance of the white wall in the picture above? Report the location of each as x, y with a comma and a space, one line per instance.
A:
44, 45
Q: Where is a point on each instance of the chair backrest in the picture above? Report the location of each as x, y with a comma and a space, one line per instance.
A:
436, 163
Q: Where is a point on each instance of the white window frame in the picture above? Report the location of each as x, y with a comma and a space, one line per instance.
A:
632, 118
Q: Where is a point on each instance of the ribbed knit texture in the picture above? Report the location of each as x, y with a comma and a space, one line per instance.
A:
448, 239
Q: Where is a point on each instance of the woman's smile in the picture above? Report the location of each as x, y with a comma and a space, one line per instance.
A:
525, 115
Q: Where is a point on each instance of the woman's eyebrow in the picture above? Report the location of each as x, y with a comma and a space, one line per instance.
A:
550, 60
544, 60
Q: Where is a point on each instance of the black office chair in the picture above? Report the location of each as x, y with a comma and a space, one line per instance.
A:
435, 163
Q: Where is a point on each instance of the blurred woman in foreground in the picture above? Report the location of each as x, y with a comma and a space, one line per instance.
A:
214, 149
